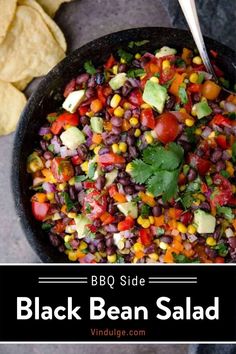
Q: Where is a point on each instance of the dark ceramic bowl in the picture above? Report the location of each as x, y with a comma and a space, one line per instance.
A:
48, 96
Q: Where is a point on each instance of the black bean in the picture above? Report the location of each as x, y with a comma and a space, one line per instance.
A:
130, 140
136, 112
210, 252
48, 155
84, 120
61, 248
108, 168
124, 181
136, 63
100, 183
112, 139
122, 68
217, 231
170, 103
139, 187
186, 146
90, 92
200, 152
166, 239
116, 121
205, 206
111, 208
123, 174
101, 246
225, 155
157, 210
111, 250
129, 190
99, 236
220, 165
92, 248
99, 78
97, 223
109, 242
92, 82
192, 174
133, 152
82, 151
44, 145
78, 170
227, 130
72, 193
126, 89
196, 97
103, 150
55, 241
232, 242
134, 82
116, 130
127, 114
216, 156
82, 78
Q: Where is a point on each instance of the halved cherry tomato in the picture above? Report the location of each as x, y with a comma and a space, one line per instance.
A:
145, 236
62, 170
147, 118
223, 192
76, 160
110, 62
94, 204
202, 165
126, 224
88, 184
222, 141
63, 119
167, 128
135, 97
69, 87
219, 260
110, 159
219, 119
40, 210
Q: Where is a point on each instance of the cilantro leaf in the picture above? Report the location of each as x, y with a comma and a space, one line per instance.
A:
164, 158
89, 67
135, 72
187, 200
226, 212
160, 231
145, 210
68, 201
183, 95
46, 227
140, 171
81, 178
91, 170
125, 55
180, 258
180, 63
165, 183
132, 44
190, 132
222, 249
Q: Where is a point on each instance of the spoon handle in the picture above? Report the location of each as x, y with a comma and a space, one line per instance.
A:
190, 13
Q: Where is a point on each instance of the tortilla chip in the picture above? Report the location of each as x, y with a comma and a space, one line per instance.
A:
55, 30
7, 12
22, 84
12, 103
29, 48
51, 6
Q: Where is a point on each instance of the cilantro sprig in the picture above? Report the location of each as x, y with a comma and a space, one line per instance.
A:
89, 67
159, 169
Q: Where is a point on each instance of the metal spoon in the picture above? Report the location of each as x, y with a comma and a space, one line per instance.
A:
190, 13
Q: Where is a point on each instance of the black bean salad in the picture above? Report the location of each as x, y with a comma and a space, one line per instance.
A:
138, 165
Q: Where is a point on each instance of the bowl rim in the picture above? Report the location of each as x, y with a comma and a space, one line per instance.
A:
35, 98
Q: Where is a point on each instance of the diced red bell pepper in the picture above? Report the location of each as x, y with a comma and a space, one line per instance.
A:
135, 97
126, 224
76, 160
194, 88
219, 260
110, 62
40, 210
217, 70
83, 110
63, 119
186, 218
92, 228
110, 159
223, 191
222, 141
70, 87
101, 96
88, 185
145, 236
112, 190
167, 75
147, 118
219, 119
200, 164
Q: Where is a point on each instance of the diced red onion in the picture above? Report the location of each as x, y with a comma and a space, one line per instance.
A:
78, 186
49, 187
88, 258
206, 132
56, 143
128, 234
71, 152
63, 151
48, 163
87, 130
89, 141
187, 246
44, 131
127, 244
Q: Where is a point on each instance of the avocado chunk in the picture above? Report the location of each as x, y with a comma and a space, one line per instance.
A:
73, 100
72, 138
81, 221
97, 124
118, 81
110, 177
164, 51
205, 222
155, 95
129, 209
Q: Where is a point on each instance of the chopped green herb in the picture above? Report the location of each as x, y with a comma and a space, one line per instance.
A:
190, 132
46, 227
201, 77
141, 171
125, 55
180, 258
145, 210
68, 246
234, 152
135, 73
232, 115
91, 170
68, 201
133, 44
81, 178
89, 67
225, 173
183, 95
209, 180
180, 63
88, 208
120, 259
160, 231
51, 147
186, 168
222, 249
52, 119
187, 200
226, 212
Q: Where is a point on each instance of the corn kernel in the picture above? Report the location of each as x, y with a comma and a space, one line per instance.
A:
181, 227
84, 166
140, 220
72, 256
145, 105
153, 256
112, 258
50, 196
194, 111
163, 245
201, 197
115, 148
149, 138
150, 194
47, 136
135, 260
203, 99
197, 60
122, 146
137, 133
71, 215
189, 122
126, 105
69, 229
67, 238
198, 131
211, 135
133, 121
137, 56
154, 79
89, 114
128, 168
83, 245
229, 168
115, 101
72, 181
146, 224
151, 219
191, 229
120, 245
229, 151
115, 69
96, 149
193, 78
165, 64
119, 112
210, 241
123, 61
138, 247
61, 186
182, 188
98, 257
182, 110
103, 254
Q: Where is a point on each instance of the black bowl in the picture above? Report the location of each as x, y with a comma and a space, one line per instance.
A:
45, 100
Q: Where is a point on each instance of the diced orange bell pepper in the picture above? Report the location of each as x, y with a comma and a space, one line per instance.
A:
107, 126
139, 254
234, 223
231, 98
39, 197
97, 138
125, 125
210, 90
186, 55
147, 199
168, 257
119, 197
96, 105
159, 220
177, 81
